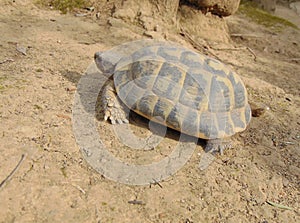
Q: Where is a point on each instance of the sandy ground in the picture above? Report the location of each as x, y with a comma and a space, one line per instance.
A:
55, 184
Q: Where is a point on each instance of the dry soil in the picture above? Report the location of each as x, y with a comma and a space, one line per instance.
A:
44, 53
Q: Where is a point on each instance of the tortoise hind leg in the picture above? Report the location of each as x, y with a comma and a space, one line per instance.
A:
217, 145
113, 107
212, 147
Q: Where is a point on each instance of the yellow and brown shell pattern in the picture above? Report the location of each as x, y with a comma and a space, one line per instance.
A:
183, 90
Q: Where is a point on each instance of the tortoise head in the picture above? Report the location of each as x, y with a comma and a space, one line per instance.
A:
105, 62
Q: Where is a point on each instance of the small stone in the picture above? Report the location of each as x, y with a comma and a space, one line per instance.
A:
98, 15
91, 9
285, 182
217, 7
157, 28
22, 49
81, 14
258, 110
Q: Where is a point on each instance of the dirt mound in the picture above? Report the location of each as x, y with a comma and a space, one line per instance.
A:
217, 7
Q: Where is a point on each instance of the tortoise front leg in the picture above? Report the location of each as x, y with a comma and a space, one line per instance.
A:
113, 107
217, 145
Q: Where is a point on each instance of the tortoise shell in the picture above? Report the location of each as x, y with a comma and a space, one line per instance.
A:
184, 90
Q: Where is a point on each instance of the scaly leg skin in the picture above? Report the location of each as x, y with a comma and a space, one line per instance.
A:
113, 108
217, 145
212, 147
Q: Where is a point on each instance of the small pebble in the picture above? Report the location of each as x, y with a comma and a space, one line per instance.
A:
259, 111
22, 49
98, 15
90, 8
80, 14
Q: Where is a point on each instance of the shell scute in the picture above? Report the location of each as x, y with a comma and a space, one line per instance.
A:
168, 82
191, 59
143, 73
168, 53
192, 94
174, 118
190, 122
163, 108
219, 97
126, 94
145, 105
239, 93
207, 126
224, 123
215, 67
237, 119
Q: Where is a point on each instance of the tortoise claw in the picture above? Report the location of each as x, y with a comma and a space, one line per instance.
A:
213, 147
217, 146
115, 115
113, 109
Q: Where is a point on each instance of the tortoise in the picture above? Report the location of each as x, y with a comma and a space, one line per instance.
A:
177, 87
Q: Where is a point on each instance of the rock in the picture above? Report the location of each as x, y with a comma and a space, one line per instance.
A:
22, 49
267, 5
154, 35
127, 14
258, 109
296, 7
134, 11
218, 7
201, 26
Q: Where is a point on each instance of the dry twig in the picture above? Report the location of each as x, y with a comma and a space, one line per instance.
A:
79, 188
197, 46
245, 35
2, 184
136, 202
6, 60
279, 205
251, 51
156, 183
239, 48
292, 59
